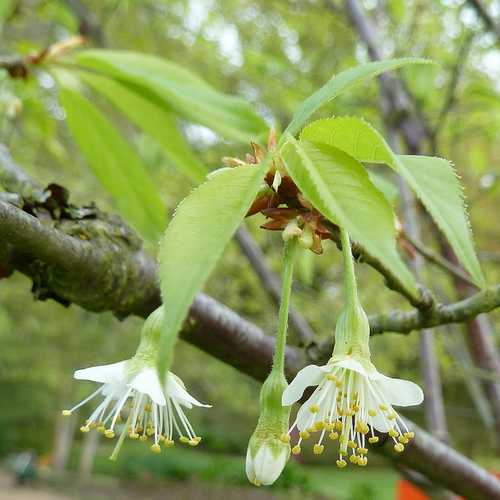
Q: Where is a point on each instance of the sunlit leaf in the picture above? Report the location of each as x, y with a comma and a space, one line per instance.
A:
179, 90
203, 224
434, 180
115, 164
339, 187
342, 82
153, 119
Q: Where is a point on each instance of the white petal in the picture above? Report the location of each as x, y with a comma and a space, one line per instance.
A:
310, 375
104, 374
268, 466
399, 392
249, 467
175, 389
350, 363
147, 382
379, 421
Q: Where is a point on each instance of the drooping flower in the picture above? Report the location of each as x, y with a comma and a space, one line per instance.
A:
352, 399
131, 390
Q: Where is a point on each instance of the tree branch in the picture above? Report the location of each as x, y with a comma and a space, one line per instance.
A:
442, 314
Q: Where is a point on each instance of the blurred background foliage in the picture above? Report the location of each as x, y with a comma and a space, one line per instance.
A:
274, 53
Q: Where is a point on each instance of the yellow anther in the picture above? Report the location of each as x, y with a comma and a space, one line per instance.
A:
341, 463
353, 459
372, 413
393, 433
147, 407
304, 434
392, 416
296, 449
119, 419
155, 448
169, 443
92, 425
109, 433
362, 451
403, 439
352, 444
84, 428
133, 435
383, 407
318, 449
161, 438
362, 461
256, 483
338, 384
150, 431
333, 435
338, 425
355, 408
101, 428
399, 447
197, 439
139, 429
311, 430
409, 435
330, 426
66, 413
285, 438
314, 408
184, 439
320, 425
373, 440
331, 377
143, 438
193, 442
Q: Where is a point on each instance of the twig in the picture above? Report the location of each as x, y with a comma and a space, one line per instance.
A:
439, 260
487, 19
450, 99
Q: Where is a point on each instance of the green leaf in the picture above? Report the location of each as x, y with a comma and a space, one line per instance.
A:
179, 90
115, 164
155, 120
340, 83
433, 180
339, 187
203, 224
384, 185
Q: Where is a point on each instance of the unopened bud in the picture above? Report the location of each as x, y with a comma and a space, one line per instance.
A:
269, 449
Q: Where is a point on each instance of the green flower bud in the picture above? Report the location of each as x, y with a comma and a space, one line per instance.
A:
269, 447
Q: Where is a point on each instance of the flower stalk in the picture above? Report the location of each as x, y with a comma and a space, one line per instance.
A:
269, 447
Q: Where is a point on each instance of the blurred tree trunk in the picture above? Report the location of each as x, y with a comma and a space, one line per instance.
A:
63, 439
89, 450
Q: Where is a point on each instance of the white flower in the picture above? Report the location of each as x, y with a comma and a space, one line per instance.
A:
265, 464
352, 399
154, 410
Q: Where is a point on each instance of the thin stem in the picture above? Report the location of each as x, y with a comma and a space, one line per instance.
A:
289, 252
351, 290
